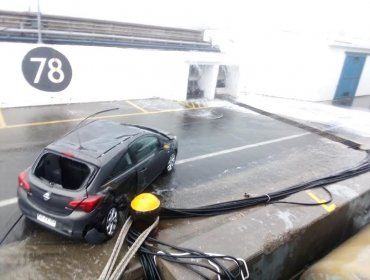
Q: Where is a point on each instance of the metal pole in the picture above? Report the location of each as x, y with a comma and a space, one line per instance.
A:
39, 39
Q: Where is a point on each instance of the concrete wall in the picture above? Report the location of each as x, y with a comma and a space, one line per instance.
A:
232, 80
364, 84
101, 74
282, 65
295, 66
291, 66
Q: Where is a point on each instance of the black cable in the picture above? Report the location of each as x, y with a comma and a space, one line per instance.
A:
154, 268
175, 259
148, 251
11, 228
197, 272
274, 197
150, 268
144, 265
310, 204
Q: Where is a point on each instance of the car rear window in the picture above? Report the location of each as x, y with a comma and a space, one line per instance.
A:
68, 173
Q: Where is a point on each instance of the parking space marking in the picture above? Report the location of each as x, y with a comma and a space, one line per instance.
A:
99, 117
136, 106
9, 201
2, 120
237, 149
190, 104
328, 207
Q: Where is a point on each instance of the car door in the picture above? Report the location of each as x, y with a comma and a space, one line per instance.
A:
122, 180
146, 154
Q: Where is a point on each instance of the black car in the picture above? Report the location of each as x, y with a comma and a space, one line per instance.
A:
78, 183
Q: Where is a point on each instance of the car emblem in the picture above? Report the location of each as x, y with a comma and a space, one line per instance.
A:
46, 196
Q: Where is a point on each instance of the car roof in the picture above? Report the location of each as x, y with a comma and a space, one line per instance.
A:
93, 141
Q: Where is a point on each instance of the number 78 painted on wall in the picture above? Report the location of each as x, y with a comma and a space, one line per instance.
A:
52, 69
47, 69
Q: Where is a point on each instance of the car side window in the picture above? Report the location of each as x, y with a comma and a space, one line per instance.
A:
144, 147
122, 165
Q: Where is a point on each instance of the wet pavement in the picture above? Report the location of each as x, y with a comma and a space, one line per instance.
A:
223, 154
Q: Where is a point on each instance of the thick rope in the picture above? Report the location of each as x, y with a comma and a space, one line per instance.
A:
131, 252
117, 248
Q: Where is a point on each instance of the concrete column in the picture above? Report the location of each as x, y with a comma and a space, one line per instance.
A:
208, 80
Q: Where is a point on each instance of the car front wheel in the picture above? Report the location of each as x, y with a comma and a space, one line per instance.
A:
171, 163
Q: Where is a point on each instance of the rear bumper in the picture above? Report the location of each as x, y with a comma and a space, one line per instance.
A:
73, 225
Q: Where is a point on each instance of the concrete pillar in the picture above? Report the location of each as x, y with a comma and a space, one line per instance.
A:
208, 80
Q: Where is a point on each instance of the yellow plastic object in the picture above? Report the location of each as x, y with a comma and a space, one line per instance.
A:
349, 261
145, 202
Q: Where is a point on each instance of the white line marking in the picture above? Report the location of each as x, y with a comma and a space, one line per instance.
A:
237, 149
9, 201
228, 151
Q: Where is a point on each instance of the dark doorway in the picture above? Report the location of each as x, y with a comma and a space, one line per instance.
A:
195, 74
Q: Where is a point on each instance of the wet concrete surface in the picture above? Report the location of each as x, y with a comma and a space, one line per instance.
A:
35, 253
361, 102
358, 103
49, 113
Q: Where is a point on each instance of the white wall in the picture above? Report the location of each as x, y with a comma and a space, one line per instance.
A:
282, 64
290, 66
364, 84
101, 74
232, 80
328, 69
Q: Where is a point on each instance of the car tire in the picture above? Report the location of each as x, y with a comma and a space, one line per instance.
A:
170, 163
111, 222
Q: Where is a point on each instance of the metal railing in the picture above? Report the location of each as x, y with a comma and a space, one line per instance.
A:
27, 27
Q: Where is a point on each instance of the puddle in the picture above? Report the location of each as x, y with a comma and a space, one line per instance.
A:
157, 104
212, 114
45, 255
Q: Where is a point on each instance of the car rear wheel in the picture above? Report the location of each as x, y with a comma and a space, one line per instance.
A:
171, 163
111, 222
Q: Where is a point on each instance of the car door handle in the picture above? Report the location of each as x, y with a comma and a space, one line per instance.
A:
143, 169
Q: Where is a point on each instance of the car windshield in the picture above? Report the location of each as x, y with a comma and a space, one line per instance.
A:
62, 171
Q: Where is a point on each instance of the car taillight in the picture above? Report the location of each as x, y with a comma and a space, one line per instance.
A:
86, 204
22, 181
